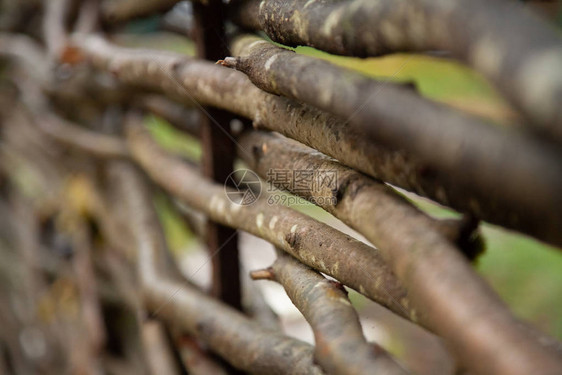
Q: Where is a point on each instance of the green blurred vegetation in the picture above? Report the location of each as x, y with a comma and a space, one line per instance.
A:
437, 78
178, 237
173, 140
526, 273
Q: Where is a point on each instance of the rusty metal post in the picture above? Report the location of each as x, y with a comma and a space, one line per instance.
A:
219, 151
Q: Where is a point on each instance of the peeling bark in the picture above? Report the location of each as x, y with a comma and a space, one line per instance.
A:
341, 347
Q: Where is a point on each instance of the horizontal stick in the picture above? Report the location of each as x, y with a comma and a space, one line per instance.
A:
341, 347
76, 137
241, 341
516, 172
316, 244
181, 118
326, 183
510, 45
198, 82
449, 297
65, 132
123, 10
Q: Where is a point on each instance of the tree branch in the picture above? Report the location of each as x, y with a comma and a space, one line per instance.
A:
65, 132
521, 54
331, 184
313, 243
244, 343
341, 347
122, 10
191, 81
518, 173
448, 296
181, 118
54, 27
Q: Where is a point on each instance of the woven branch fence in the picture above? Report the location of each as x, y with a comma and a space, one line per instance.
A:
88, 283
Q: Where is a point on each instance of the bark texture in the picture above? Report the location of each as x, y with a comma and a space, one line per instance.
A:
506, 166
328, 184
511, 46
449, 297
249, 346
313, 243
193, 82
341, 347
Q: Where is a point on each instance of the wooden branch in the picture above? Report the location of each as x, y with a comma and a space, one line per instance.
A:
196, 360
88, 17
313, 243
123, 10
29, 53
256, 306
341, 347
245, 14
86, 283
54, 27
180, 19
242, 342
67, 133
178, 116
449, 297
521, 54
160, 356
78, 138
190, 80
382, 212
518, 173
194, 220
218, 155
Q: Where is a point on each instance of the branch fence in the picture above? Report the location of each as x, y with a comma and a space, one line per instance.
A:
80, 171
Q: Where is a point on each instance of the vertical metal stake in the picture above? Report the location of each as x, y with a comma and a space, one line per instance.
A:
218, 155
